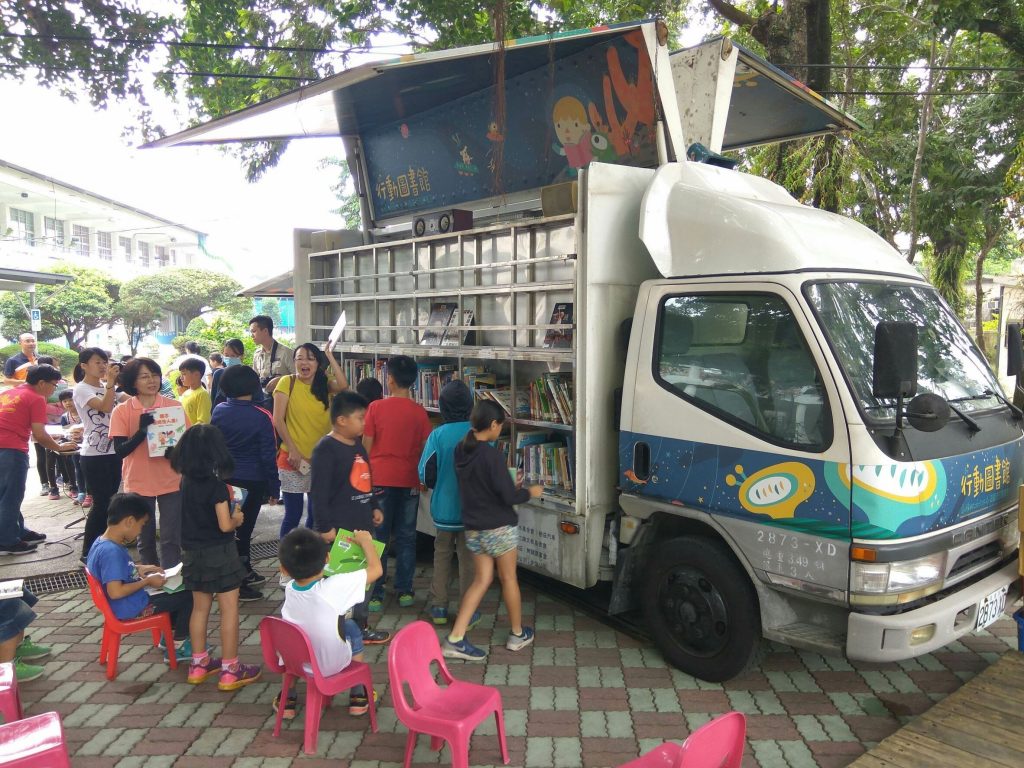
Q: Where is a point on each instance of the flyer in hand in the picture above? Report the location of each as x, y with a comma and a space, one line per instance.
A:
347, 556
166, 430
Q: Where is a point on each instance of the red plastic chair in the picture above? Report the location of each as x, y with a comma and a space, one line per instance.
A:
450, 713
113, 628
285, 642
35, 742
10, 702
718, 744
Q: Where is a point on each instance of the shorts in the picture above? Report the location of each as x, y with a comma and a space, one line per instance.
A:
354, 635
494, 542
213, 569
294, 482
15, 615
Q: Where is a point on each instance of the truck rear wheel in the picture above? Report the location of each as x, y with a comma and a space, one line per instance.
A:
701, 608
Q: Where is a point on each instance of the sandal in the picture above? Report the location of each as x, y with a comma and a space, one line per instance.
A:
291, 706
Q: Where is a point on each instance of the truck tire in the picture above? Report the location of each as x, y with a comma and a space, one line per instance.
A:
701, 608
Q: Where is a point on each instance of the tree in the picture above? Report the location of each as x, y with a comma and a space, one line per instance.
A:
72, 310
189, 292
136, 313
345, 191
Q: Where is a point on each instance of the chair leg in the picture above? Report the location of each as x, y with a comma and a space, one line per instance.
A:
156, 636
103, 646
172, 652
286, 680
410, 745
373, 707
499, 721
436, 743
459, 745
113, 647
314, 708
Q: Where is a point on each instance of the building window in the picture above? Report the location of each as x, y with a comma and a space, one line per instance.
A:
80, 239
53, 230
23, 225
174, 256
125, 244
161, 256
103, 246
144, 254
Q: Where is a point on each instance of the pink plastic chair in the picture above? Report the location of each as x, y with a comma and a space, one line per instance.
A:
10, 702
34, 742
447, 714
718, 744
285, 642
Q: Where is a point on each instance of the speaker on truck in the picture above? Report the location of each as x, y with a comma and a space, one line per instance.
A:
442, 222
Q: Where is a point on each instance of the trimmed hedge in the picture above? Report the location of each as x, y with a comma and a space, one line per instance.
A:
66, 358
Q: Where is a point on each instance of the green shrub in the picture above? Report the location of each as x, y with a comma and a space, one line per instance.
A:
66, 358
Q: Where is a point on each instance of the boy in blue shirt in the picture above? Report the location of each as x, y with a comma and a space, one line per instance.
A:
125, 583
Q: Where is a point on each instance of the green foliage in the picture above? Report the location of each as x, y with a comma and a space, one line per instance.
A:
137, 313
189, 292
71, 310
211, 335
344, 189
66, 358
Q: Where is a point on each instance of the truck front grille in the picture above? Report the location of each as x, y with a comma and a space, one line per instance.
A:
976, 557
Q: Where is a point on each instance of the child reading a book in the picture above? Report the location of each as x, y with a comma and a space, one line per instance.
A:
125, 583
318, 604
211, 565
341, 487
437, 471
396, 430
194, 397
488, 493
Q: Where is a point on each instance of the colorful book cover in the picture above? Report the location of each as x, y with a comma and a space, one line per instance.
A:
166, 430
556, 338
440, 317
346, 556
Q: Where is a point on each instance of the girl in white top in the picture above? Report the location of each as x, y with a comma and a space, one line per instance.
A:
95, 397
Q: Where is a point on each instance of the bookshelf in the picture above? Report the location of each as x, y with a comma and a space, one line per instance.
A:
478, 305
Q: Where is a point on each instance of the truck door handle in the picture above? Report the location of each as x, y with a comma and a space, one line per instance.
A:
641, 460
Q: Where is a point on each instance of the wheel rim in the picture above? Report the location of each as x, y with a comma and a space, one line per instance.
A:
694, 612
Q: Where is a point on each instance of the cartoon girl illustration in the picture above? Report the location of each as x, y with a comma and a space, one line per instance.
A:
572, 128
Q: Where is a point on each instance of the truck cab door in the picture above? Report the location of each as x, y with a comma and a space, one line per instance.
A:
731, 415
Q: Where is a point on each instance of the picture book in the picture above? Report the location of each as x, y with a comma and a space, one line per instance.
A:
339, 328
173, 583
451, 335
346, 556
166, 430
556, 338
11, 589
440, 316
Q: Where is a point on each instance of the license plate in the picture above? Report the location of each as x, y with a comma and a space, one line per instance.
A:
991, 608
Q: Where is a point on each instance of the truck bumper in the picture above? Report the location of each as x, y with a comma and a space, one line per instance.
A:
887, 638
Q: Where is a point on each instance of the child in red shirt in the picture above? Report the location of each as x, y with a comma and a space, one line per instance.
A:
396, 429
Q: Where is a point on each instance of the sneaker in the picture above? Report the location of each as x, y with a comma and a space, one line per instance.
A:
474, 619
375, 636
29, 651
439, 615
45, 491
54, 495
238, 675
405, 599
183, 652
80, 500
197, 673
518, 642
247, 594
283, 581
376, 604
255, 579
71, 493
32, 537
463, 649
291, 706
21, 548
24, 672
359, 703
87, 502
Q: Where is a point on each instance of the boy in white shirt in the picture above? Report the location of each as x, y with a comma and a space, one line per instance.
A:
319, 604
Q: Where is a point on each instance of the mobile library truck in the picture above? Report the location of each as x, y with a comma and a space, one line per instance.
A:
753, 417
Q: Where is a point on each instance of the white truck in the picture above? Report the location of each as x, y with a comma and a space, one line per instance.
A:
717, 384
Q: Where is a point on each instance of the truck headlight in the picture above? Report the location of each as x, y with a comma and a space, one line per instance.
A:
878, 578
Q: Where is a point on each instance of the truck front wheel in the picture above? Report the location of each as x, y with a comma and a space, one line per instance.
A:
701, 609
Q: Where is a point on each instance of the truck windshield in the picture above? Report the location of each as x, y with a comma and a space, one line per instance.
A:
949, 364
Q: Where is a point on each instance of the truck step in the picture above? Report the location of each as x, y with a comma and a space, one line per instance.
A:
808, 636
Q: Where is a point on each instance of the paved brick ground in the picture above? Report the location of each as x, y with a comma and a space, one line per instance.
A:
583, 695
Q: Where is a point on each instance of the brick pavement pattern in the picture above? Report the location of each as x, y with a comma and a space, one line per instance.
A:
582, 695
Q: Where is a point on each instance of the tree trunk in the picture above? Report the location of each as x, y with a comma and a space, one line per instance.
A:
991, 237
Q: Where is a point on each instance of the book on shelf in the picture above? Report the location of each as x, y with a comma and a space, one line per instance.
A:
453, 332
477, 376
440, 317
166, 430
545, 459
551, 398
429, 381
556, 338
12, 589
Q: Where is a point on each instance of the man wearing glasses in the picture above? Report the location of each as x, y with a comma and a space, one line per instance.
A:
23, 413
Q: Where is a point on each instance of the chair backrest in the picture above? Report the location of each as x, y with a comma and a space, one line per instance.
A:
99, 597
718, 744
413, 648
288, 642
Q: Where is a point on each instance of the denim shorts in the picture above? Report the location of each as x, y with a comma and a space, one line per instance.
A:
354, 635
494, 542
15, 615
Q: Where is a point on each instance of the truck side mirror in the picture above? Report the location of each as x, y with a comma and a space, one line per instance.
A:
1014, 350
895, 369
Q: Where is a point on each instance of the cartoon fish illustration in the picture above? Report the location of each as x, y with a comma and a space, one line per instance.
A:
631, 476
